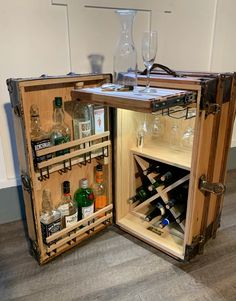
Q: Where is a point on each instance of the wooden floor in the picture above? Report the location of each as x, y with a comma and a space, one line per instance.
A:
116, 266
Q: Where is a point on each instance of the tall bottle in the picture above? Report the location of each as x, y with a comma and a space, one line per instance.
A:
39, 138
159, 210
84, 198
82, 121
50, 218
60, 131
99, 189
161, 180
67, 207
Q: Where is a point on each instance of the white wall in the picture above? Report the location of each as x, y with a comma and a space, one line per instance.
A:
38, 37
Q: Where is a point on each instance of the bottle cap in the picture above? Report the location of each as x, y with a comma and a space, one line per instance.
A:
99, 167
84, 183
58, 102
66, 187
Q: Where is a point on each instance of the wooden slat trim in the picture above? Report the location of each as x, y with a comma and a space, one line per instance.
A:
71, 144
73, 154
78, 224
62, 242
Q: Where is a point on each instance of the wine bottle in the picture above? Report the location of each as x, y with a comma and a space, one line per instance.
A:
171, 203
142, 194
152, 168
166, 221
159, 210
162, 179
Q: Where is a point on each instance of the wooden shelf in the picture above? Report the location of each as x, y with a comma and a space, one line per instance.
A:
167, 242
165, 154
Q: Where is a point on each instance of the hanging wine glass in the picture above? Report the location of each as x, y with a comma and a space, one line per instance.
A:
157, 127
149, 50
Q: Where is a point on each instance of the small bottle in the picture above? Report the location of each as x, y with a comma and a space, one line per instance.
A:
67, 207
39, 138
142, 195
84, 198
161, 180
152, 168
166, 221
50, 219
159, 210
60, 132
99, 189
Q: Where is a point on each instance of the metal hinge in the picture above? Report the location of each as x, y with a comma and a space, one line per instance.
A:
34, 249
18, 110
26, 182
205, 186
195, 248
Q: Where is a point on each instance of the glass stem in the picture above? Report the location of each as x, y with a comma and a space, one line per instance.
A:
148, 77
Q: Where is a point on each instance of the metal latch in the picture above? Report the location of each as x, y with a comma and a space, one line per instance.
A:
212, 108
216, 188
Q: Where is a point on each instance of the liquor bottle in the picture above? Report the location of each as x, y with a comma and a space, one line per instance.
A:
142, 194
159, 210
39, 138
99, 189
60, 131
50, 218
84, 198
152, 168
67, 207
166, 221
161, 180
82, 121
98, 125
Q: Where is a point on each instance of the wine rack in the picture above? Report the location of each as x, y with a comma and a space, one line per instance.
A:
139, 210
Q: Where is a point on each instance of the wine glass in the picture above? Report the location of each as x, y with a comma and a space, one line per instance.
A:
149, 49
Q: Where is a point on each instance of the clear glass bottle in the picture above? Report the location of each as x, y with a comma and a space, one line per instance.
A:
82, 120
99, 189
50, 218
39, 138
60, 132
84, 198
67, 207
125, 56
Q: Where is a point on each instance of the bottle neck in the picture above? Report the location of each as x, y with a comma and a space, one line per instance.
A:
58, 115
126, 19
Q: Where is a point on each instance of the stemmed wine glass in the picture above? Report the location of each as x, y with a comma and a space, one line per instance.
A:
149, 50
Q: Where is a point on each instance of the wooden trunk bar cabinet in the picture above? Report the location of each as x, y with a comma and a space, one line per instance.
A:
202, 102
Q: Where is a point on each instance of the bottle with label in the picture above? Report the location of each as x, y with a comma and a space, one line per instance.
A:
159, 210
50, 218
39, 138
84, 198
99, 189
60, 131
161, 180
67, 207
98, 124
82, 121
142, 194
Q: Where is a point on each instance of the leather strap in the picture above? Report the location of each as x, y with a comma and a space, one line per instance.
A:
164, 68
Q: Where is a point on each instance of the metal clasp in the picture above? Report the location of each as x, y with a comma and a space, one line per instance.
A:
215, 188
